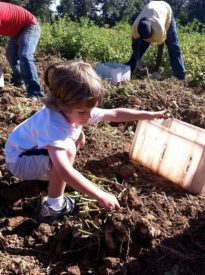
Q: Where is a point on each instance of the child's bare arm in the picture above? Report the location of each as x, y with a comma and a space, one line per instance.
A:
76, 180
125, 114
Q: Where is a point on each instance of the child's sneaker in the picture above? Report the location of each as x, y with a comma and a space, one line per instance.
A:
47, 214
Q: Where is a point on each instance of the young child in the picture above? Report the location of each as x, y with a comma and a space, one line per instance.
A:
44, 146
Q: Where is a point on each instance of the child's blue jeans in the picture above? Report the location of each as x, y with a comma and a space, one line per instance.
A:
20, 55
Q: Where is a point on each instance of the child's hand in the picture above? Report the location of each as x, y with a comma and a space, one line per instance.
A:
109, 201
161, 114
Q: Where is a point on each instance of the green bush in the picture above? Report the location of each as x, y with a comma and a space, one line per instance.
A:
3, 41
86, 40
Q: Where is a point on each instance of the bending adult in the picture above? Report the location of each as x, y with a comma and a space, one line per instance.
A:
156, 24
23, 31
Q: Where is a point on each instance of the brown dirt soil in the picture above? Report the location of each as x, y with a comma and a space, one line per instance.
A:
160, 228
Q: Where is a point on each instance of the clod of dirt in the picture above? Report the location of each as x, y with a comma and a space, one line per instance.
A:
109, 237
64, 238
30, 241
111, 265
45, 229
126, 171
16, 221
111, 262
131, 267
147, 231
42, 233
133, 199
73, 270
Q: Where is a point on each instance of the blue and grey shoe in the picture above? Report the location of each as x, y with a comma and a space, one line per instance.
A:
48, 214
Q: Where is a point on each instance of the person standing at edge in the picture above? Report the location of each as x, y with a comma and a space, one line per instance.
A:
24, 32
156, 24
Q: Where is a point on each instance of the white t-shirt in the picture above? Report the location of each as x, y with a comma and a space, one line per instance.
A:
46, 127
159, 13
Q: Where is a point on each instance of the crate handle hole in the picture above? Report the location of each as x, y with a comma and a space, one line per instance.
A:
188, 164
163, 152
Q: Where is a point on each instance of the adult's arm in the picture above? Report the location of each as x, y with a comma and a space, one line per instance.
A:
159, 57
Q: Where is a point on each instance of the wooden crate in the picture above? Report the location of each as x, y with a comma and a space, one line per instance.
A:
173, 149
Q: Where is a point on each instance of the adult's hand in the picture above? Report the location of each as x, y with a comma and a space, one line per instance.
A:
156, 75
141, 65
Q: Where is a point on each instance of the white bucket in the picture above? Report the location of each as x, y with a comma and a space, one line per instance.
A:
1, 76
113, 72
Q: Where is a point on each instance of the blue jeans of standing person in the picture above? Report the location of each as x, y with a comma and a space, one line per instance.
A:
175, 54
20, 55
174, 51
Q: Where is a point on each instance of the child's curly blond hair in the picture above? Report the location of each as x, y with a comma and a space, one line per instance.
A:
71, 84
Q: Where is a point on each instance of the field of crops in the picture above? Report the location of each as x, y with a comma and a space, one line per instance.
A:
90, 42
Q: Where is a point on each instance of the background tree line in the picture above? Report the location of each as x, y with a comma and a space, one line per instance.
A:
110, 12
